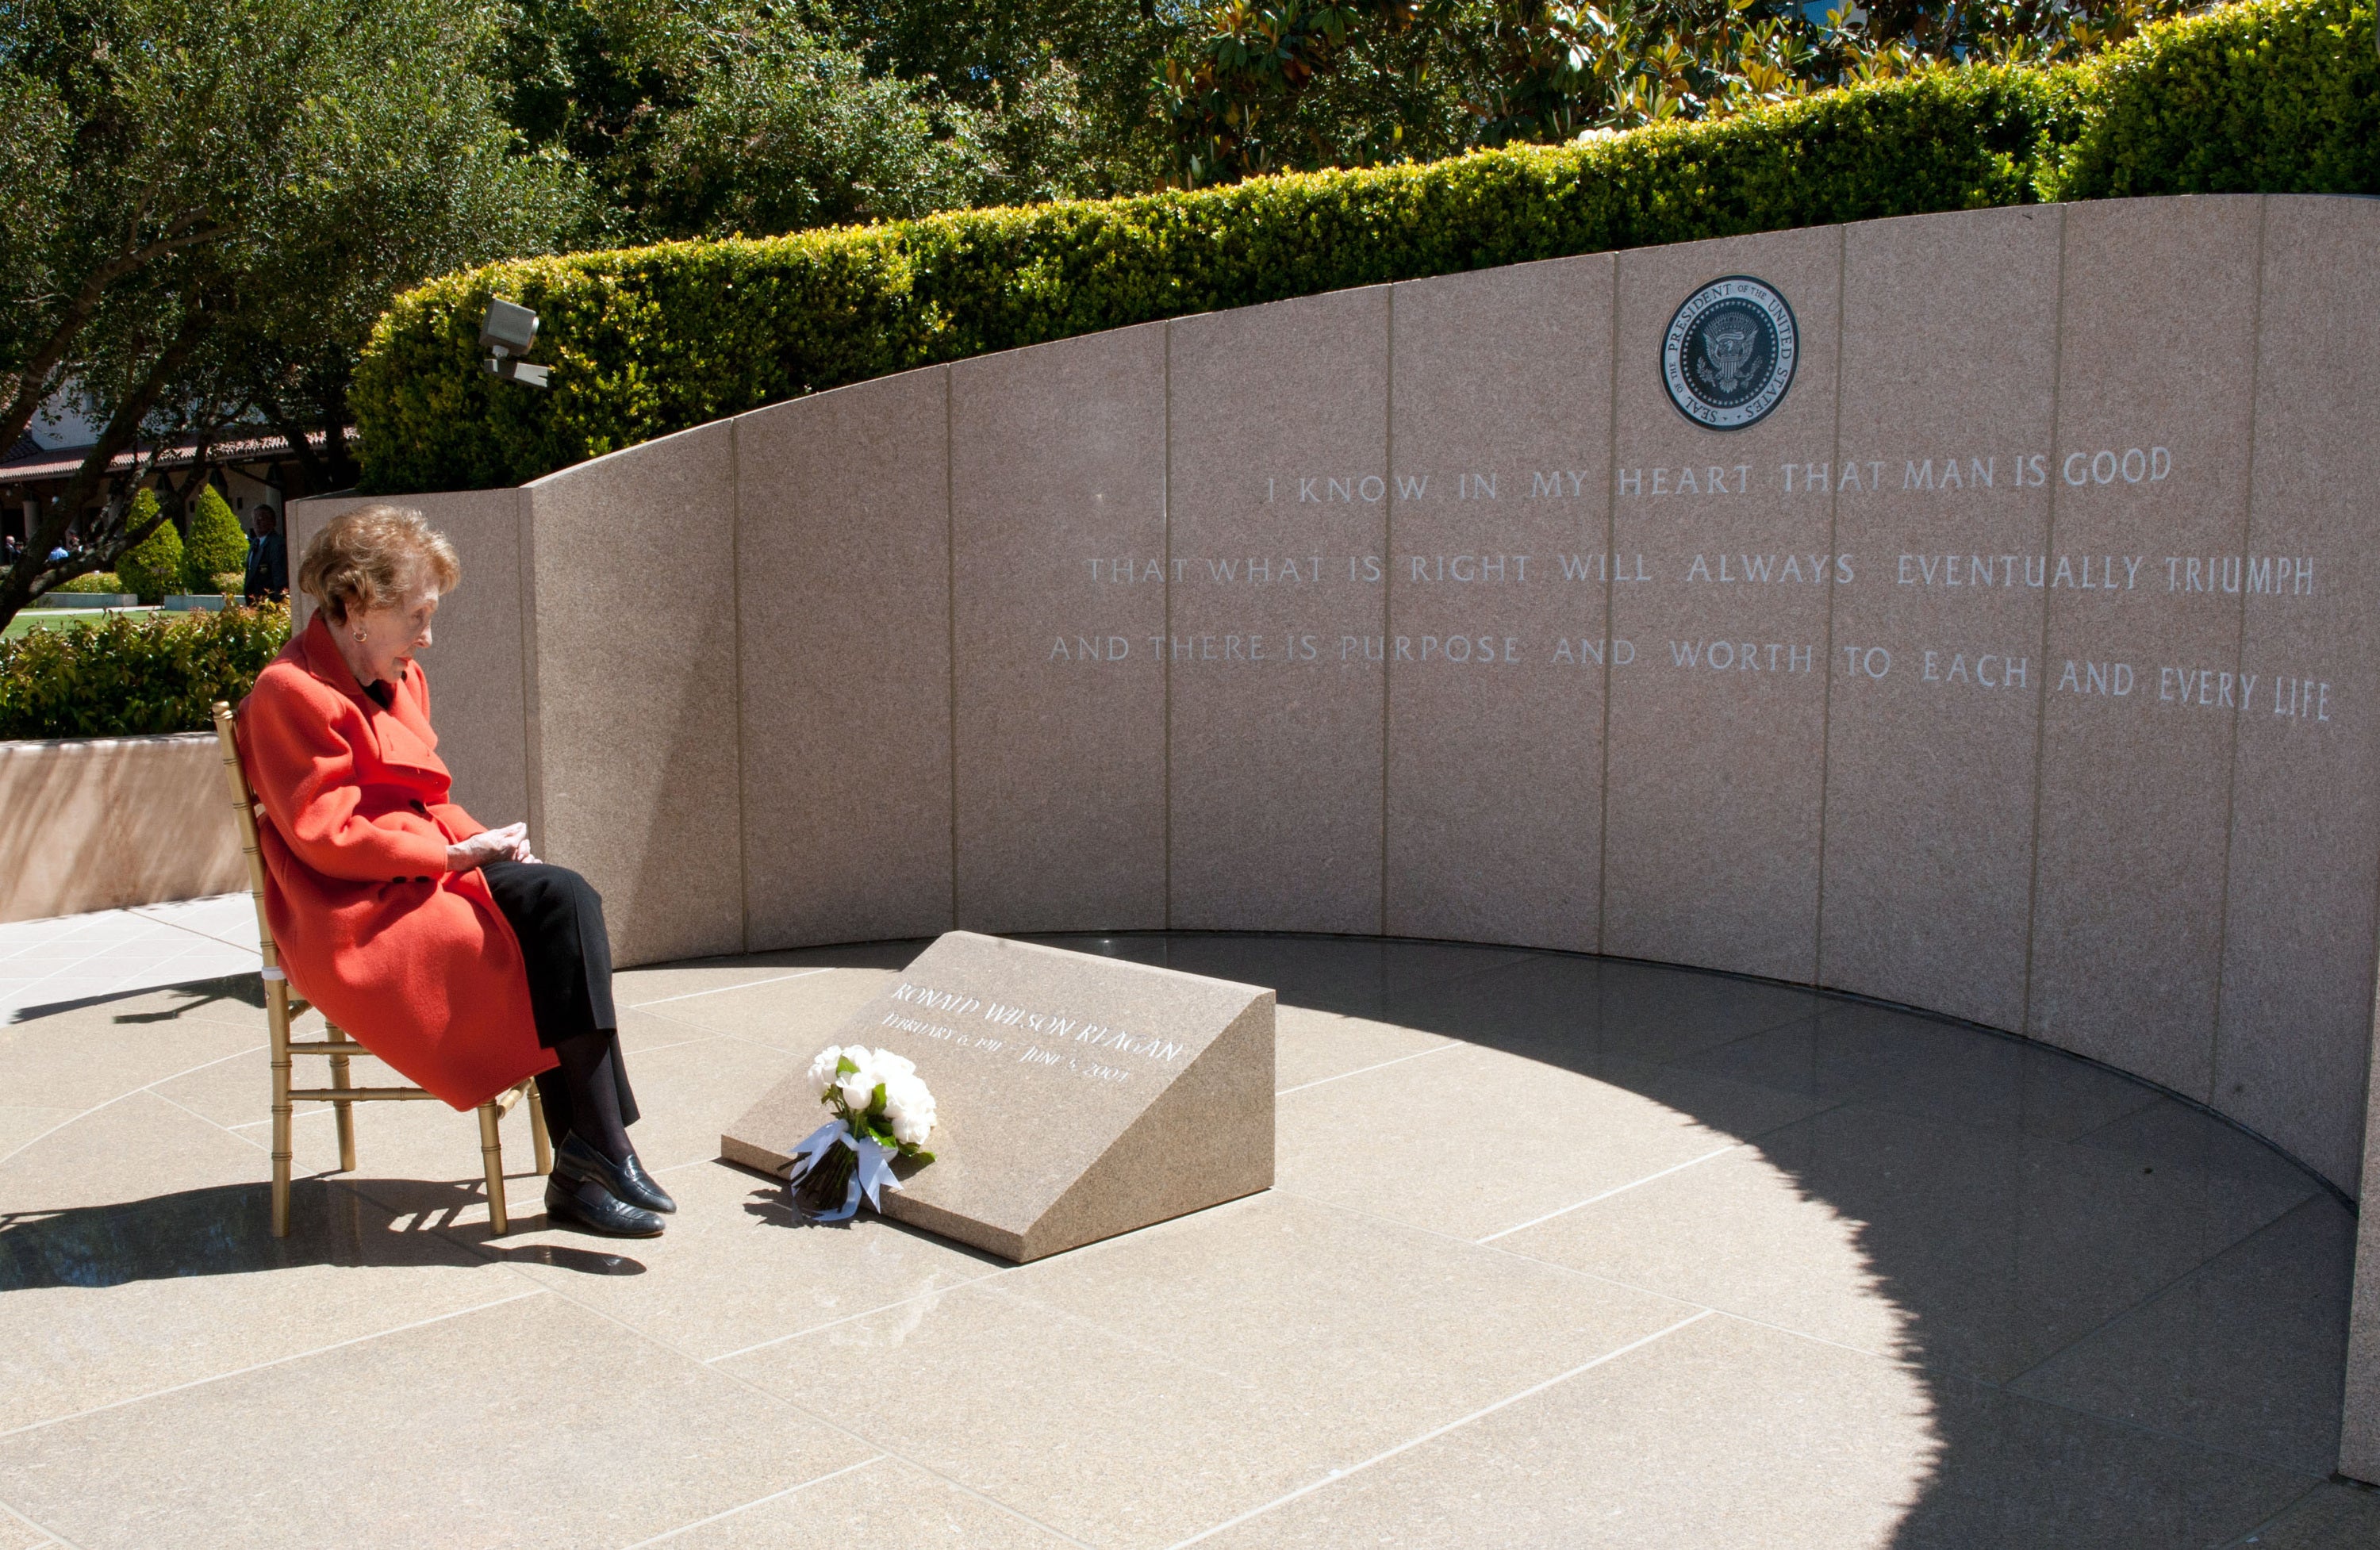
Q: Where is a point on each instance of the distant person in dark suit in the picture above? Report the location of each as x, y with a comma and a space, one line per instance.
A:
268, 561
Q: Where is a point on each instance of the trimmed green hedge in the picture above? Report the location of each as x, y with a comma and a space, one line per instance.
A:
152, 567
125, 677
2278, 97
2278, 94
215, 544
94, 581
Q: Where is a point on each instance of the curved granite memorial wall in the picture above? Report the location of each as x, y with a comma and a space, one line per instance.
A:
2018, 660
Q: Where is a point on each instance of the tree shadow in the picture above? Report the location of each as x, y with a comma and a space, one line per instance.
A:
244, 989
2126, 1315
225, 1230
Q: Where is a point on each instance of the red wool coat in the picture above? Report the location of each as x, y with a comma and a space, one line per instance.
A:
415, 960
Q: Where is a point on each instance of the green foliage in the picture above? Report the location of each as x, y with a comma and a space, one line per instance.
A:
785, 132
152, 567
2274, 96
204, 204
127, 676
646, 341
1298, 85
707, 117
214, 543
106, 583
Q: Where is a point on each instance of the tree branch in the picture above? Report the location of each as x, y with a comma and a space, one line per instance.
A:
301, 445
35, 380
34, 573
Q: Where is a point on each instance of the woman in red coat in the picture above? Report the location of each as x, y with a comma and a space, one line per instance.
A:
441, 945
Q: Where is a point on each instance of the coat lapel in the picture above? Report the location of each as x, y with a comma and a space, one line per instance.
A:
405, 737
401, 735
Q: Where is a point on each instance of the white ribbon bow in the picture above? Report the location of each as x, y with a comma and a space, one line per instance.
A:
874, 1170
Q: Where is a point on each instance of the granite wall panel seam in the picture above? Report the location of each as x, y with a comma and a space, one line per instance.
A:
736, 605
1610, 564
1834, 546
950, 620
2041, 696
2239, 661
1388, 598
1165, 662
525, 594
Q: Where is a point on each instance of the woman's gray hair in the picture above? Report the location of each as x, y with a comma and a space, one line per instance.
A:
363, 559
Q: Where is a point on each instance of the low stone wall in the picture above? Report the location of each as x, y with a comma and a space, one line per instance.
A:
107, 822
1973, 610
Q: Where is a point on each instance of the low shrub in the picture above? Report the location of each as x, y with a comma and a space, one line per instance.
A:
126, 676
2275, 94
153, 566
97, 581
214, 543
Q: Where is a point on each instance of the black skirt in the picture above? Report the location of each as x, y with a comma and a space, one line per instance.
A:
558, 917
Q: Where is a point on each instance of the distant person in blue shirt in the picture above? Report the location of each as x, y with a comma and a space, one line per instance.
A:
268, 561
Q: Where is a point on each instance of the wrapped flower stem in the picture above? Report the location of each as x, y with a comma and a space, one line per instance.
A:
821, 1189
882, 1110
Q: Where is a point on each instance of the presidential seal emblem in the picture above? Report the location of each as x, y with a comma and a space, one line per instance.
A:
1730, 353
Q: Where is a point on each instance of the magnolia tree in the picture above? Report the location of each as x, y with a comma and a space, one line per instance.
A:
203, 206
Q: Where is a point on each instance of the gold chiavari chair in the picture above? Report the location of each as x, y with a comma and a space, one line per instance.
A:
281, 1006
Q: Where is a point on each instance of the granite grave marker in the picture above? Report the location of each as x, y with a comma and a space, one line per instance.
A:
1079, 1096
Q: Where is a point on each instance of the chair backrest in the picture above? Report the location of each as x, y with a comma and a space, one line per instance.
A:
244, 809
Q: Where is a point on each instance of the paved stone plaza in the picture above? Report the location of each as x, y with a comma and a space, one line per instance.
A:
1563, 1252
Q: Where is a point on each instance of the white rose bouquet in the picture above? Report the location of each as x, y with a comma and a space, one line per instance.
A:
882, 1110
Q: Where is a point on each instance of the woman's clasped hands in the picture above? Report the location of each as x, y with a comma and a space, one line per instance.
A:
508, 843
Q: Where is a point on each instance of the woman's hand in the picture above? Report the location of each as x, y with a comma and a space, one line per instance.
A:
508, 843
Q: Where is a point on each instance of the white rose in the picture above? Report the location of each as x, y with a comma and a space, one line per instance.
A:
909, 1108
859, 1086
822, 1075
889, 1065
902, 1093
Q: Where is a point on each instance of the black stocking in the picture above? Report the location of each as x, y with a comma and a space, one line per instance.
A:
582, 1095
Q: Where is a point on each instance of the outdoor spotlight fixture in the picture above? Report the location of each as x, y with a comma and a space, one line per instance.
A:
507, 333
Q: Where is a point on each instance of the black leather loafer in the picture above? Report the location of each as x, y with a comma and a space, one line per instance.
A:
576, 1162
640, 1187
587, 1204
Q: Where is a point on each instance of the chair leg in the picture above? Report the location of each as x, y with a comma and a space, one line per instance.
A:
276, 1022
492, 1153
343, 1114
537, 1132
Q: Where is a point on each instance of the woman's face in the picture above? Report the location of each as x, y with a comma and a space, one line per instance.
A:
391, 635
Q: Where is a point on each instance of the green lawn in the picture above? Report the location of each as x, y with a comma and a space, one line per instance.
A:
57, 619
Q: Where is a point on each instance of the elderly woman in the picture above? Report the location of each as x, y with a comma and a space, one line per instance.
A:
441, 945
